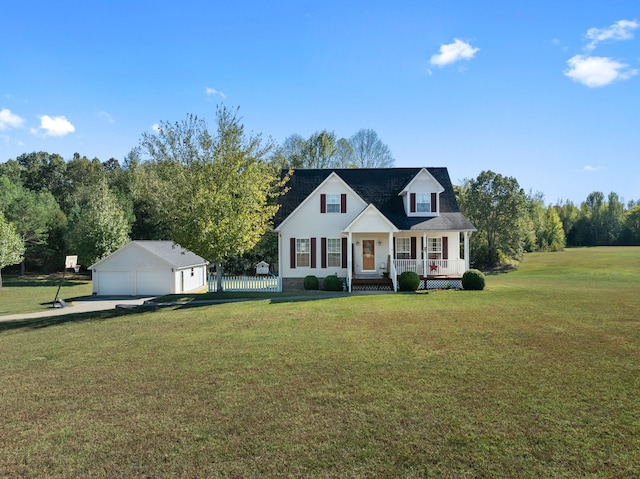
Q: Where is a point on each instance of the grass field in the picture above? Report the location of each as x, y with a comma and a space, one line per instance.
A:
33, 292
537, 376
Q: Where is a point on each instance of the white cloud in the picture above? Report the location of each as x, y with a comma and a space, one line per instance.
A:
55, 126
9, 120
453, 52
212, 91
590, 169
621, 30
106, 116
597, 71
155, 127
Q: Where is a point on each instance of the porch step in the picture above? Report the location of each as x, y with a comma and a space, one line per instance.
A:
371, 284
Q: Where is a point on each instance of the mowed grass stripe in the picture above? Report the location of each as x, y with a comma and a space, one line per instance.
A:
537, 376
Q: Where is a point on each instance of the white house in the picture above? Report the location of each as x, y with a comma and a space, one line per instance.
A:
370, 225
152, 268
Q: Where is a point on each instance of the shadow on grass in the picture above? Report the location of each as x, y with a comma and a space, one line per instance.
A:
499, 270
198, 303
43, 280
59, 319
56, 320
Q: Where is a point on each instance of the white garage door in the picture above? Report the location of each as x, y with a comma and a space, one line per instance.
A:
114, 283
154, 283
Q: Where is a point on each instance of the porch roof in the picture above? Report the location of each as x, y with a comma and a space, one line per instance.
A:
443, 222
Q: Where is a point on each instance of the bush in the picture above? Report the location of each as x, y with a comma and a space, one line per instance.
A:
311, 282
408, 281
332, 283
473, 279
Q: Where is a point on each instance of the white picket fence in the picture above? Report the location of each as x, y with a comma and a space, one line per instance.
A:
260, 284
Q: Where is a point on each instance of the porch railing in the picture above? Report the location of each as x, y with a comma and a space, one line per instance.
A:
263, 284
394, 275
431, 267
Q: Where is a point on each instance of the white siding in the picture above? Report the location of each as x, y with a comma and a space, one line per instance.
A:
184, 281
308, 222
153, 283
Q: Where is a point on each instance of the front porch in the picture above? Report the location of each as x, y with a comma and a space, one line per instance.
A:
375, 261
431, 268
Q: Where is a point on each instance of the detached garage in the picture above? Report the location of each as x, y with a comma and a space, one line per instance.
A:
149, 268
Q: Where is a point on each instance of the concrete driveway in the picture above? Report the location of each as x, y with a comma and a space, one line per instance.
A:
81, 305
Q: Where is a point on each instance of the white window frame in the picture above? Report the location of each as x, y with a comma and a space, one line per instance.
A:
303, 252
423, 203
333, 203
403, 248
434, 248
334, 253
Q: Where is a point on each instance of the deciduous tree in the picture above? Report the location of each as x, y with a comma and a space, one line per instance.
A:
369, 151
34, 214
99, 227
496, 205
214, 190
11, 246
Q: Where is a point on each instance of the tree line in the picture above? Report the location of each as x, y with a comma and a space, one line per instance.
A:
215, 191
511, 222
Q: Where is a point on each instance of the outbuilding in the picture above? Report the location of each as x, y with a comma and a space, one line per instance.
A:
152, 268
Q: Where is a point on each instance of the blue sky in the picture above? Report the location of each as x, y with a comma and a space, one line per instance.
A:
546, 92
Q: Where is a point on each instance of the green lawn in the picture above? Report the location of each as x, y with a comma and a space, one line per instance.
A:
36, 292
537, 376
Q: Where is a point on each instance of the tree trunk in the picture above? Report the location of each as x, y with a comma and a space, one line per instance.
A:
219, 271
23, 268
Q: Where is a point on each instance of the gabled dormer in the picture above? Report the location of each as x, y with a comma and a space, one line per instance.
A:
421, 196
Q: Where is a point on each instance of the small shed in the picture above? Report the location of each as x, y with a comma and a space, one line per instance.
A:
149, 268
262, 268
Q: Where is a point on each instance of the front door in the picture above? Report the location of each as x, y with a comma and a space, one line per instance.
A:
368, 255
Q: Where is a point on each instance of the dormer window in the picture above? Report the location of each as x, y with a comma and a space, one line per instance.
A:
423, 203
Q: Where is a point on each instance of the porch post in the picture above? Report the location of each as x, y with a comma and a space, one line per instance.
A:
424, 254
466, 250
279, 262
349, 260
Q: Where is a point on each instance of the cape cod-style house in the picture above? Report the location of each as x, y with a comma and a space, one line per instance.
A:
367, 226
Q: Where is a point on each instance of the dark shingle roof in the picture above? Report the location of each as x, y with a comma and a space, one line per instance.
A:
380, 187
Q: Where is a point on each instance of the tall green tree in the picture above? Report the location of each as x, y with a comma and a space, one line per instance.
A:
42, 171
554, 238
569, 215
34, 214
214, 190
631, 229
545, 230
98, 227
613, 219
11, 246
593, 209
496, 205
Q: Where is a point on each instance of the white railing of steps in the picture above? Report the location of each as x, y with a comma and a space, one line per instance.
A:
393, 274
432, 267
